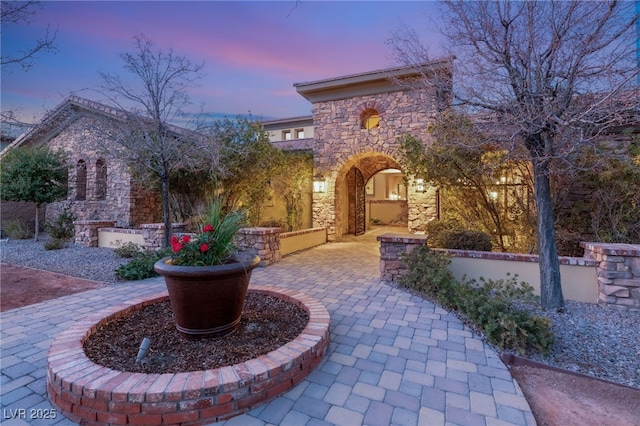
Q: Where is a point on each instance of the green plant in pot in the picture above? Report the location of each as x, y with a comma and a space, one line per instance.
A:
206, 277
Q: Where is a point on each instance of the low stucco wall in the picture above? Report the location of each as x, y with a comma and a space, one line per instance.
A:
270, 244
291, 242
579, 281
116, 237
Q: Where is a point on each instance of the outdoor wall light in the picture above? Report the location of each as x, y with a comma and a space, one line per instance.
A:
419, 185
319, 184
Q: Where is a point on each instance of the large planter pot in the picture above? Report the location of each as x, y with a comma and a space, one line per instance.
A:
207, 301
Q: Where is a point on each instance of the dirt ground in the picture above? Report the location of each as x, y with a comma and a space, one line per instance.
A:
21, 286
555, 397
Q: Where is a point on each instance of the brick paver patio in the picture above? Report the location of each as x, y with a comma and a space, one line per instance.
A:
393, 359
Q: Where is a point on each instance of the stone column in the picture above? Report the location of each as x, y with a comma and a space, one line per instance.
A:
618, 273
87, 231
153, 234
392, 248
265, 242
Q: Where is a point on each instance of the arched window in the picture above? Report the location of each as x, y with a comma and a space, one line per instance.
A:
81, 180
101, 180
369, 119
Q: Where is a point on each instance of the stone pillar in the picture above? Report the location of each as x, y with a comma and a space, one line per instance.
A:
392, 247
265, 242
153, 234
618, 273
87, 231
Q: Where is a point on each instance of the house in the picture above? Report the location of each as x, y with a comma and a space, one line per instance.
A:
353, 135
100, 187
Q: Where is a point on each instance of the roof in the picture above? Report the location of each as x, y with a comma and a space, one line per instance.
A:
70, 110
291, 121
367, 83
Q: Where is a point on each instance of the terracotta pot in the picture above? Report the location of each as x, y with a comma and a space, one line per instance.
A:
207, 301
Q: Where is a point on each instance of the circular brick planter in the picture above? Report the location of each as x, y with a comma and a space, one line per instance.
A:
92, 394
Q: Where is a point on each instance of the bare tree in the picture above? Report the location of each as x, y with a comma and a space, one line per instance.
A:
15, 12
554, 75
154, 99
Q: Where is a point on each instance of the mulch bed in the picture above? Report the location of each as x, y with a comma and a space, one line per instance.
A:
267, 323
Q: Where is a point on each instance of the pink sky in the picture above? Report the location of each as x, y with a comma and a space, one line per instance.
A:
253, 51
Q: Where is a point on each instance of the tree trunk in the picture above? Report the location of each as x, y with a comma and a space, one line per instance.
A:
550, 285
166, 217
35, 232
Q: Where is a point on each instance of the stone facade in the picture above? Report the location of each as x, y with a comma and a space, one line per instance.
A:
618, 273
103, 189
340, 144
264, 242
392, 249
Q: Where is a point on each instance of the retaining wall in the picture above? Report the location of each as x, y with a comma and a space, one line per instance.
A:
582, 279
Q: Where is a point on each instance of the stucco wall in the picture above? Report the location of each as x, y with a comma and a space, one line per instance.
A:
579, 282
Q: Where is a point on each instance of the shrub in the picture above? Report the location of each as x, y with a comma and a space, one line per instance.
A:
127, 250
55, 244
437, 230
62, 228
468, 240
490, 305
17, 229
141, 266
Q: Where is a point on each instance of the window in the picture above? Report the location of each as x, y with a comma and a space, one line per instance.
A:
81, 180
369, 119
101, 180
299, 133
286, 135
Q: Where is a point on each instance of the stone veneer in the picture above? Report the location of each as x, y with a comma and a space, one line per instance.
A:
392, 248
126, 200
618, 273
340, 143
88, 393
265, 242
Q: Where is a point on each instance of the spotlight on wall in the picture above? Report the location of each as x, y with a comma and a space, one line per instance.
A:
419, 185
319, 184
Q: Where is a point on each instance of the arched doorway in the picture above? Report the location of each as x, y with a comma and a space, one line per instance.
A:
354, 185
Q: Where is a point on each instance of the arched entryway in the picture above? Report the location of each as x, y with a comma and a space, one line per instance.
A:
355, 189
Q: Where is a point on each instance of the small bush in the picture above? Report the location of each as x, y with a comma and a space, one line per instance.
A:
468, 240
55, 244
490, 305
62, 228
17, 229
437, 230
127, 250
141, 266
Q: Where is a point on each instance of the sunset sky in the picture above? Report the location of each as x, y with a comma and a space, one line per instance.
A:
253, 51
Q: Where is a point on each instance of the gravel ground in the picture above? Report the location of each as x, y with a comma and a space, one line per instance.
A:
96, 264
597, 340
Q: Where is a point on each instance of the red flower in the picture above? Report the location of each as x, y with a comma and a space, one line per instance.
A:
204, 247
174, 240
176, 247
186, 239
207, 228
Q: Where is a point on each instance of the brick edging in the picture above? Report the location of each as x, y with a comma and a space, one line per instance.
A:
92, 394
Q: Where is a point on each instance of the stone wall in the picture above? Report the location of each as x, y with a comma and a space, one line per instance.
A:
392, 249
264, 242
125, 200
340, 143
618, 273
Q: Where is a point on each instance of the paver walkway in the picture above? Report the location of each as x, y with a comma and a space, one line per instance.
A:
393, 359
